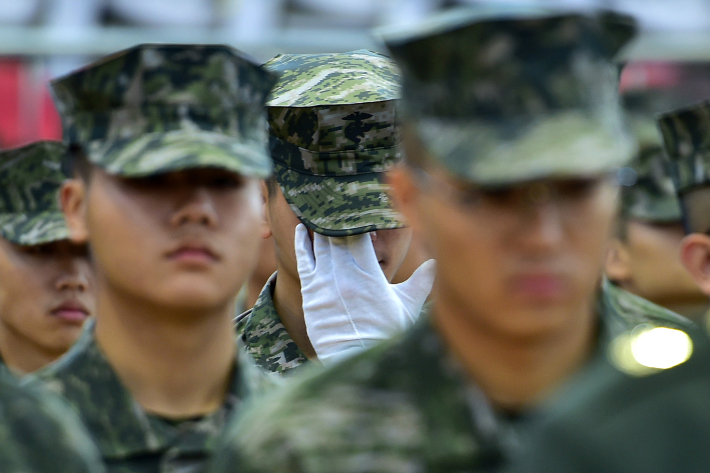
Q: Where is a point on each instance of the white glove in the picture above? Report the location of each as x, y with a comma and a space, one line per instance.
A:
348, 304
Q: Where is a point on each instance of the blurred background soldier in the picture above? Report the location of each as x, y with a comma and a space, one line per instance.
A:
633, 415
514, 137
645, 256
45, 279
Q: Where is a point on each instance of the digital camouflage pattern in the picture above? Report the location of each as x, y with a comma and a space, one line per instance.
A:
686, 137
648, 88
40, 434
401, 406
315, 80
651, 196
500, 94
264, 337
333, 134
130, 439
159, 108
30, 179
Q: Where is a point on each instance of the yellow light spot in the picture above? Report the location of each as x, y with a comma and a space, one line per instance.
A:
661, 347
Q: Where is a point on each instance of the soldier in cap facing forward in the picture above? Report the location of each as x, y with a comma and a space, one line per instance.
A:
45, 279
513, 137
168, 144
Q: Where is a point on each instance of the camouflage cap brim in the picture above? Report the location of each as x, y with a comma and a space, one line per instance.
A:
177, 150
34, 228
566, 144
338, 206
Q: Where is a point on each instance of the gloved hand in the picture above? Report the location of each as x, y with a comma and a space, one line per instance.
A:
348, 303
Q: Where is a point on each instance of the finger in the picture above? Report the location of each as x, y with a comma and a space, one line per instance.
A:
415, 290
322, 251
305, 260
358, 249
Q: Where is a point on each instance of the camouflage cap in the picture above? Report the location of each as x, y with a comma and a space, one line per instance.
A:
647, 88
159, 108
333, 134
686, 137
500, 94
648, 193
30, 178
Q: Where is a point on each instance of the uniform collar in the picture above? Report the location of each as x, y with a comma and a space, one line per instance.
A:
117, 423
265, 337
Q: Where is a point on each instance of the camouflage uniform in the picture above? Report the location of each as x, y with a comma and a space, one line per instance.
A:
646, 420
39, 433
332, 136
265, 338
148, 110
488, 93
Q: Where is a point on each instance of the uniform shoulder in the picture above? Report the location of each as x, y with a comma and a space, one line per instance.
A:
632, 310
52, 437
333, 409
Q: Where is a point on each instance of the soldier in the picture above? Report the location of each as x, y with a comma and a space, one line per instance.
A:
45, 279
513, 135
645, 256
168, 144
332, 138
41, 434
625, 416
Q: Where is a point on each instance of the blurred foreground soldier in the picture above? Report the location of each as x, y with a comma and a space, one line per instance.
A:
45, 279
332, 137
512, 135
41, 434
634, 415
645, 256
169, 144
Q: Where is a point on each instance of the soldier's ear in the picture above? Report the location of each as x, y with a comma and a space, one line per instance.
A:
266, 220
72, 197
695, 256
618, 264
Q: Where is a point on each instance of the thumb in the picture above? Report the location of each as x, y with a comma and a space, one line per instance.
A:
305, 261
414, 291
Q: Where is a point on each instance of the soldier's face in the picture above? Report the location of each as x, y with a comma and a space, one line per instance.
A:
523, 260
45, 297
183, 241
647, 262
391, 246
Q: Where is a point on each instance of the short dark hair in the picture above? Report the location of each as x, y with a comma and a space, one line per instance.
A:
271, 185
79, 164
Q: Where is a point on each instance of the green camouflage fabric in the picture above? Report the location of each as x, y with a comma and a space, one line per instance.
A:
686, 138
500, 94
264, 337
158, 108
315, 80
652, 195
333, 134
648, 88
130, 439
30, 178
401, 406
611, 421
40, 434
